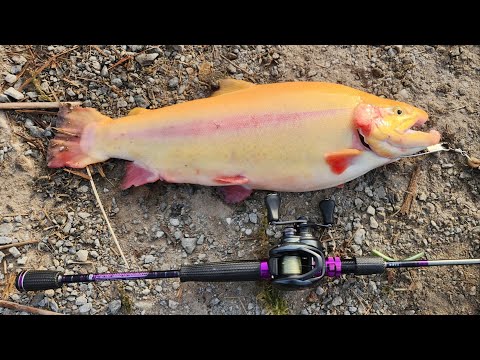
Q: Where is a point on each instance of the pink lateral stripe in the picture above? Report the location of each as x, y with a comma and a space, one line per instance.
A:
233, 123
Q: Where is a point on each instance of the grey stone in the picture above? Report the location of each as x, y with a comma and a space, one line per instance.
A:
311, 73
159, 234
214, 301
17, 95
178, 48
19, 59
253, 218
83, 189
85, 308
189, 244
148, 259
172, 304
4, 240
32, 94
337, 301
359, 236
2, 255
372, 286
248, 232
373, 223
15, 69
81, 300
403, 94
70, 92
177, 234
358, 203
4, 98
82, 255
53, 305
228, 221
146, 59
173, 83
174, 221
83, 214
121, 103
140, 101
231, 69
352, 309
104, 71
370, 210
23, 260
114, 307
117, 82
10, 78
319, 291
14, 252
145, 291
410, 312
201, 239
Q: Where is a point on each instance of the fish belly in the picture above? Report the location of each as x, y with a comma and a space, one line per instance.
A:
276, 136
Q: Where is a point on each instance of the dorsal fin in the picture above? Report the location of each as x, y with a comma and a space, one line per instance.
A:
231, 85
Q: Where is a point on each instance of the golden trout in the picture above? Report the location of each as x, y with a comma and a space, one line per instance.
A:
293, 136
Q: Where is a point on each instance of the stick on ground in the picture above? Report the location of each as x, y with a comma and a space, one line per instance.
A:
37, 105
106, 218
2, 247
29, 309
411, 192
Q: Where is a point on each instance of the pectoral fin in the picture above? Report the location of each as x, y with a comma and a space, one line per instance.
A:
231, 85
137, 111
339, 161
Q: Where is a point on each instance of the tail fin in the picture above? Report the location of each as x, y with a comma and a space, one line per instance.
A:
73, 144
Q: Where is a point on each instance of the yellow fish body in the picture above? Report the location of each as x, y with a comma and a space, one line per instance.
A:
294, 136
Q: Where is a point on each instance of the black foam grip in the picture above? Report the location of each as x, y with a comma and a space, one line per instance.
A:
222, 271
369, 265
38, 280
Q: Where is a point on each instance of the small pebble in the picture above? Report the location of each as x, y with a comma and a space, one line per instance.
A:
85, 308
82, 255
371, 210
188, 244
359, 236
149, 259
14, 252
83, 215
146, 59
114, 307
373, 223
14, 93
337, 301
174, 222
172, 304
253, 218
9, 78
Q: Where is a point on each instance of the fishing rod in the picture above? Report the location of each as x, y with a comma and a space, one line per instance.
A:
297, 262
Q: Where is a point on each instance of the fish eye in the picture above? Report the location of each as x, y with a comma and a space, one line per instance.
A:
399, 111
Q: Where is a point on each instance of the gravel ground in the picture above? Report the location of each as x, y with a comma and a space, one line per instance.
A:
163, 226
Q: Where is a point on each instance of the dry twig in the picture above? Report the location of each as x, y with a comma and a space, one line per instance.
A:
29, 309
106, 218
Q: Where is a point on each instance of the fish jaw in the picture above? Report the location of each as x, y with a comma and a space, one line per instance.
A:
386, 129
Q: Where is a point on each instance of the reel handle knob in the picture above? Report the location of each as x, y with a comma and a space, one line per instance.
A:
327, 208
272, 202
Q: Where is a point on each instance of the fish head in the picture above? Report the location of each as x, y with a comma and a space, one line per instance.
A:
385, 127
